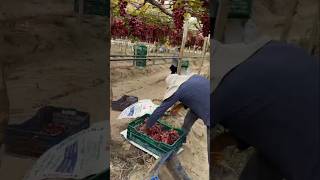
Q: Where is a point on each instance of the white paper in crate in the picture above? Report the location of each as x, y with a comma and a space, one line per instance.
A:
76, 157
138, 109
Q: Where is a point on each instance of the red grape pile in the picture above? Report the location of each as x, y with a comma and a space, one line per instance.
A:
122, 5
159, 134
54, 129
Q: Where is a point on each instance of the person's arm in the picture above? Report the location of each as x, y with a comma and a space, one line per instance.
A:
165, 105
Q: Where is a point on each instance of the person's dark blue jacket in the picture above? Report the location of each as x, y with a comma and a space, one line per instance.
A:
271, 102
194, 93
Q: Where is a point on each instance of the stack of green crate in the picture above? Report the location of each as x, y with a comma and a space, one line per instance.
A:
140, 54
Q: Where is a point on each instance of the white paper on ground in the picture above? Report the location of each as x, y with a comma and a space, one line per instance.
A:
76, 157
138, 109
124, 134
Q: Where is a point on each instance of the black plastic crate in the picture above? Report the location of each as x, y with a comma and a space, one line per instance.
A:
124, 102
30, 137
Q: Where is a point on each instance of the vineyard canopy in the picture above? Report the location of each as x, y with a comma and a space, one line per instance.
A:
160, 21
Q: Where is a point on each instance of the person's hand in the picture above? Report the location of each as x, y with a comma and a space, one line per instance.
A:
144, 128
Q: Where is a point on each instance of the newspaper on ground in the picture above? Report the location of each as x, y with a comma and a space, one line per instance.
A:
138, 109
76, 157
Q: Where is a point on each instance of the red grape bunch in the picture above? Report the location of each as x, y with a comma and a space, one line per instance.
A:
178, 17
205, 20
122, 5
119, 29
136, 27
205, 3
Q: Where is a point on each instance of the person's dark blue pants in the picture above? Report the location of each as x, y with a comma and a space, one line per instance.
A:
188, 122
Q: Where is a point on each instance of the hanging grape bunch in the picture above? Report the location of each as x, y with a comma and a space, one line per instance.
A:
178, 15
205, 20
122, 5
136, 27
199, 40
205, 4
118, 28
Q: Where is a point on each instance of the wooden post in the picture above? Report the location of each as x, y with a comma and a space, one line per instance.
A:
111, 93
222, 18
4, 102
184, 39
204, 51
285, 33
81, 7
135, 54
314, 37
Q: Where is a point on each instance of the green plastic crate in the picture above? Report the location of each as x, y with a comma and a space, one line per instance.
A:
93, 7
140, 53
185, 63
240, 9
158, 148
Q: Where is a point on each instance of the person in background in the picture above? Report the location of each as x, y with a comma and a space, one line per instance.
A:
175, 62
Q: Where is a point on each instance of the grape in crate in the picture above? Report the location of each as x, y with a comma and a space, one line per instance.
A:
193, 91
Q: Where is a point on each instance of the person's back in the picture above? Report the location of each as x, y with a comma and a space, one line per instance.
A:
271, 101
195, 94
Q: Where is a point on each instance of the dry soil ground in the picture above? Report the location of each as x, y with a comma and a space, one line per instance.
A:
53, 58
127, 162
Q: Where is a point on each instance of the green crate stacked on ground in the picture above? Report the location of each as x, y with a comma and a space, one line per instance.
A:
240, 9
185, 63
140, 54
156, 147
93, 7
184, 67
